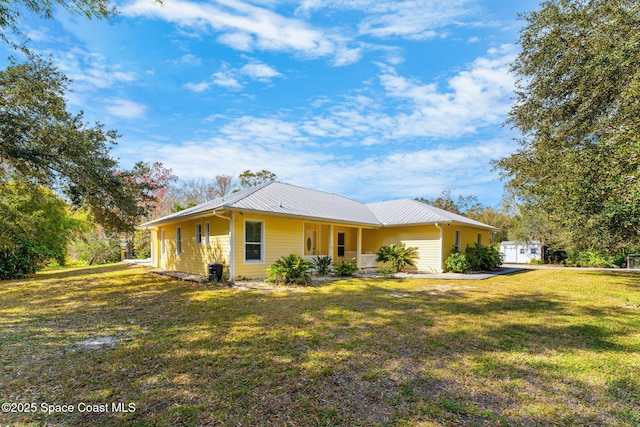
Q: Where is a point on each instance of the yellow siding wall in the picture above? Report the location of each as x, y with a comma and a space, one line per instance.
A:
426, 238
282, 236
195, 258
468, 237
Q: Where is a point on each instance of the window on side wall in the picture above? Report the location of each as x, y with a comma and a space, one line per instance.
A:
207, 233
456, 243
179, 241
253, 241
479, 239
163, 243
198, 234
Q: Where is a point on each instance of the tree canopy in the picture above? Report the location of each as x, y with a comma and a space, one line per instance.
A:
41, 141
577, 108
36, 227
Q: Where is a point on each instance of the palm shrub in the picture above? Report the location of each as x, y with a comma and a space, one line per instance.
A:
290, 269
322, 265
398, 255
345, 268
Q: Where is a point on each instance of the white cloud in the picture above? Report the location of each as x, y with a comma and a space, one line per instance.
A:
190, 59
233, 78
410, 19
124, 108
242, 25
259, 71
198, 87
226, 78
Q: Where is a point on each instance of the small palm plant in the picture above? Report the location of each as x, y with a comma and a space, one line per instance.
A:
290, 269
398, 255
322, 264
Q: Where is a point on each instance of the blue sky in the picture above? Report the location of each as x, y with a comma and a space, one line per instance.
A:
371, 100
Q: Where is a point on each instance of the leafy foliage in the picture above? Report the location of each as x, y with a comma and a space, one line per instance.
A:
322, 265
44, 143
345, 268
474, 258
12, 11
578, 85
398, 255
483, 257
290, 269
250, 179
35, 227
458, 263
593, 258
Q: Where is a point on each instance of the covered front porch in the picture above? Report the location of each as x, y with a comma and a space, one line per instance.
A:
340, 242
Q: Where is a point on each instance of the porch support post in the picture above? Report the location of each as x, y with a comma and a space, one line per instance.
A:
330, 241
359, 247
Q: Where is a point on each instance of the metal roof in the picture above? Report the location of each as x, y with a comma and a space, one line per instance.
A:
290, 200
411, 212
285, 199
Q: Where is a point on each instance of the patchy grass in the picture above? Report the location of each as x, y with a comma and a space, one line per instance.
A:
537, 349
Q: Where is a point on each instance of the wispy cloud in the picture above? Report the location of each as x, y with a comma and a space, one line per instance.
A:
243, 26
124, 108
234, 78
410, 19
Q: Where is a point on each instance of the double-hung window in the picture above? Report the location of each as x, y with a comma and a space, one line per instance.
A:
207, 233
342, 244
163, 243
253, 241
179, 241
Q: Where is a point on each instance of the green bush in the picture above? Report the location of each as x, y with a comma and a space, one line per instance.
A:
592, 258
458, 263
322, 265
345, 268
386, 272
398, 255
483, 257
292, 269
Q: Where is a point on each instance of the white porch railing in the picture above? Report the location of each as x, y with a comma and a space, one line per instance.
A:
368, 261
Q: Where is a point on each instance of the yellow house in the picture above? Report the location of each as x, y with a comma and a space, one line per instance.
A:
249, 230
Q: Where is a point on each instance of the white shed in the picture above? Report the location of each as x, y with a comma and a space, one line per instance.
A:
520, 252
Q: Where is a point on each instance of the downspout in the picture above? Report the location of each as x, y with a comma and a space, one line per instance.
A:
440, 251
231, 237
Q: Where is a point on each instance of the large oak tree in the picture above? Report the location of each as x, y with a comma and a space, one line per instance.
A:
578, 109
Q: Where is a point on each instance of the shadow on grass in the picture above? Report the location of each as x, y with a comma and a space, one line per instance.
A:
352, 353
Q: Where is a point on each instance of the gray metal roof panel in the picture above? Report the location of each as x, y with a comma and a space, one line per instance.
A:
408, 211
286, 199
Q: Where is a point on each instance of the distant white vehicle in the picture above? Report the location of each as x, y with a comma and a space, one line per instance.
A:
520, 252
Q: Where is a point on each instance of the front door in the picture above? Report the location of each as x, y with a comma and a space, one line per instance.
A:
310, 240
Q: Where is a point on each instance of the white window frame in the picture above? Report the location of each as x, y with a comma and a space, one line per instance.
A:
198, 234
480, 239
261, 242
207, 233
178, 241
163, 242
456, 241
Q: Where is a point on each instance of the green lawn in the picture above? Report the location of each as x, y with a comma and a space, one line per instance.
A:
538, 348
